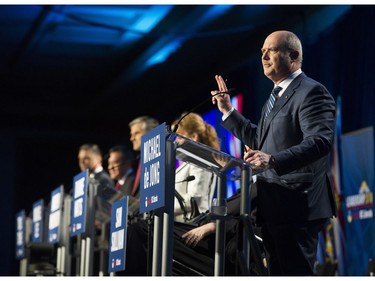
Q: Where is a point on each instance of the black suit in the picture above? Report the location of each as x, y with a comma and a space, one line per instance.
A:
127, 187
296, 196
106, 186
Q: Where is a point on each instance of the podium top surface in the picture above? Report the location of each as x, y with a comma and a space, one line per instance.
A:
205, 156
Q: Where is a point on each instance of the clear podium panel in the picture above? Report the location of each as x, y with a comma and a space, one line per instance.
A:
205, 156
221, 164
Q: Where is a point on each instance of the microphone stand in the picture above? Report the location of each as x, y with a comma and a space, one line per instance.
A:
180, 199
181, 202
149, 221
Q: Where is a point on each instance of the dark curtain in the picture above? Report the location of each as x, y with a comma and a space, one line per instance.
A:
343, 59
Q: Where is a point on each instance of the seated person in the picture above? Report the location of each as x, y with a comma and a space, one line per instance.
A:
121, 171
203, 186
138, 127
120, 168
90, 157
194, 246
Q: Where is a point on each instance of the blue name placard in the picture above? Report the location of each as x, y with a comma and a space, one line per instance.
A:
55, 215
37, 226
79, 203
117, 245
152, 169
20, 234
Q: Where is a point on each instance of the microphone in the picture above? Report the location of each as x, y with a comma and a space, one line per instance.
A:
230, 91
180, 199
189, 178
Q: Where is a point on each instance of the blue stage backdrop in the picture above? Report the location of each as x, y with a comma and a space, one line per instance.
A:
358, 183
229, 144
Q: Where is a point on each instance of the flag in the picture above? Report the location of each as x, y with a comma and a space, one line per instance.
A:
338, 222
331, 239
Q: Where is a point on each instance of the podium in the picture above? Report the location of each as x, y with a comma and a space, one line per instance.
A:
88, 212
217, 162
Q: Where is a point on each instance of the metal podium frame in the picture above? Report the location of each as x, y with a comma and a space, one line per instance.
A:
214, 161
84, 253
97, 208
63, 257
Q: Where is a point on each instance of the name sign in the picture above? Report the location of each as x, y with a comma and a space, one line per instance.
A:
37, 226
152, 169
79, 203
119, 221
55, 215
20, 234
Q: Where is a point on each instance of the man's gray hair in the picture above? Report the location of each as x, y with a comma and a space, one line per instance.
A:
94, 148
148, 123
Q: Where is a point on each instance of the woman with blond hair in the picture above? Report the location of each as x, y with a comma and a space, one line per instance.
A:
202, 188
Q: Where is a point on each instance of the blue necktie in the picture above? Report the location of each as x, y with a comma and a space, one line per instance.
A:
271, 101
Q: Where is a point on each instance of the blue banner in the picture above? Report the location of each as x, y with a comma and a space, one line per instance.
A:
20, 234
152, 170
55, 215
79, 200
117, 247
358, 183
37, 227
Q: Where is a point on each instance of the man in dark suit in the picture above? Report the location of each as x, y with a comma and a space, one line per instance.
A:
289, 149
138, 127
90, 157
120, 168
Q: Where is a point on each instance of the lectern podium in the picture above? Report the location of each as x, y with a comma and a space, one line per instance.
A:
217, 162
87, 213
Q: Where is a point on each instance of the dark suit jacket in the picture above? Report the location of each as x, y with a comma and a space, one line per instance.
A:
106, 187
299, 133
127, 187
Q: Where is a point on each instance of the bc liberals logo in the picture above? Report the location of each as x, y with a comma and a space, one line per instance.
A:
77, 226
360, 205
53, 237
115, 262
151, 200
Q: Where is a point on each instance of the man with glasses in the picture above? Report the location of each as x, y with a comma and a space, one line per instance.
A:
120, 168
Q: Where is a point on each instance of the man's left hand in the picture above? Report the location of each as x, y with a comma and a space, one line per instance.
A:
257, 159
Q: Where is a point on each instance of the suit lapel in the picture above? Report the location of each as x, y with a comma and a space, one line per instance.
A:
280, 103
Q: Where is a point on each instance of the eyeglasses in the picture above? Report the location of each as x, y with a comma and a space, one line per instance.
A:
114, 167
